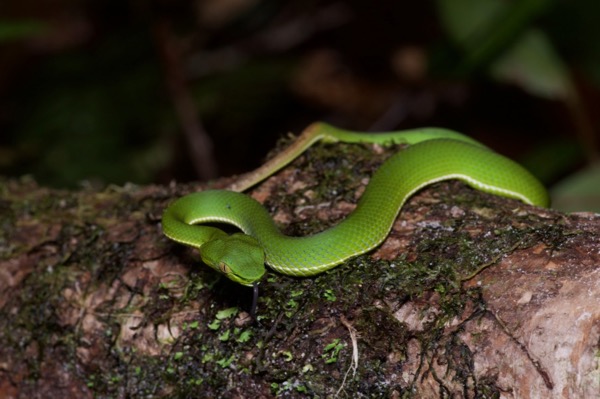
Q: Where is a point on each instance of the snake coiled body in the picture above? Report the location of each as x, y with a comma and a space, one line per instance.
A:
443, 157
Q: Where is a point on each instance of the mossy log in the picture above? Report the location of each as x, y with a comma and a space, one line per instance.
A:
470, 296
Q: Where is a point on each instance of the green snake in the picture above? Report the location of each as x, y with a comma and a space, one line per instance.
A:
433, 155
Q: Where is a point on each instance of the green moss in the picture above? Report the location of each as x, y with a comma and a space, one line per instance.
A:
298, 347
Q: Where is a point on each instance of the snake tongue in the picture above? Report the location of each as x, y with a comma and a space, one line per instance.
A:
254, 300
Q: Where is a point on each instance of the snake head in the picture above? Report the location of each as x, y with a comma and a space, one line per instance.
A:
238, 256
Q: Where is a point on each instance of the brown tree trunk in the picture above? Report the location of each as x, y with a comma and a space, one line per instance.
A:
470, 296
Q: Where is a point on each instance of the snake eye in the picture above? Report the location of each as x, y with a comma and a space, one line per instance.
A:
224, 268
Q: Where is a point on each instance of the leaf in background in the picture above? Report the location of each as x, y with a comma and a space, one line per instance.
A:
499, 38
485, 29
497, 31
578, 192
14, 30
464, 18
533, 64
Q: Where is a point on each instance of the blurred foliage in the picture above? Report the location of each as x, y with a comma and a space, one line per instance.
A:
90, 115
499, 36
13, 30
86, 90
579, 192
520, 54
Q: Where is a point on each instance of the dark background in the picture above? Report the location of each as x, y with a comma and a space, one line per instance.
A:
102, 92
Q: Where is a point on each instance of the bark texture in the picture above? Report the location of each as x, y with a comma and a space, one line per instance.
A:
470, 296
